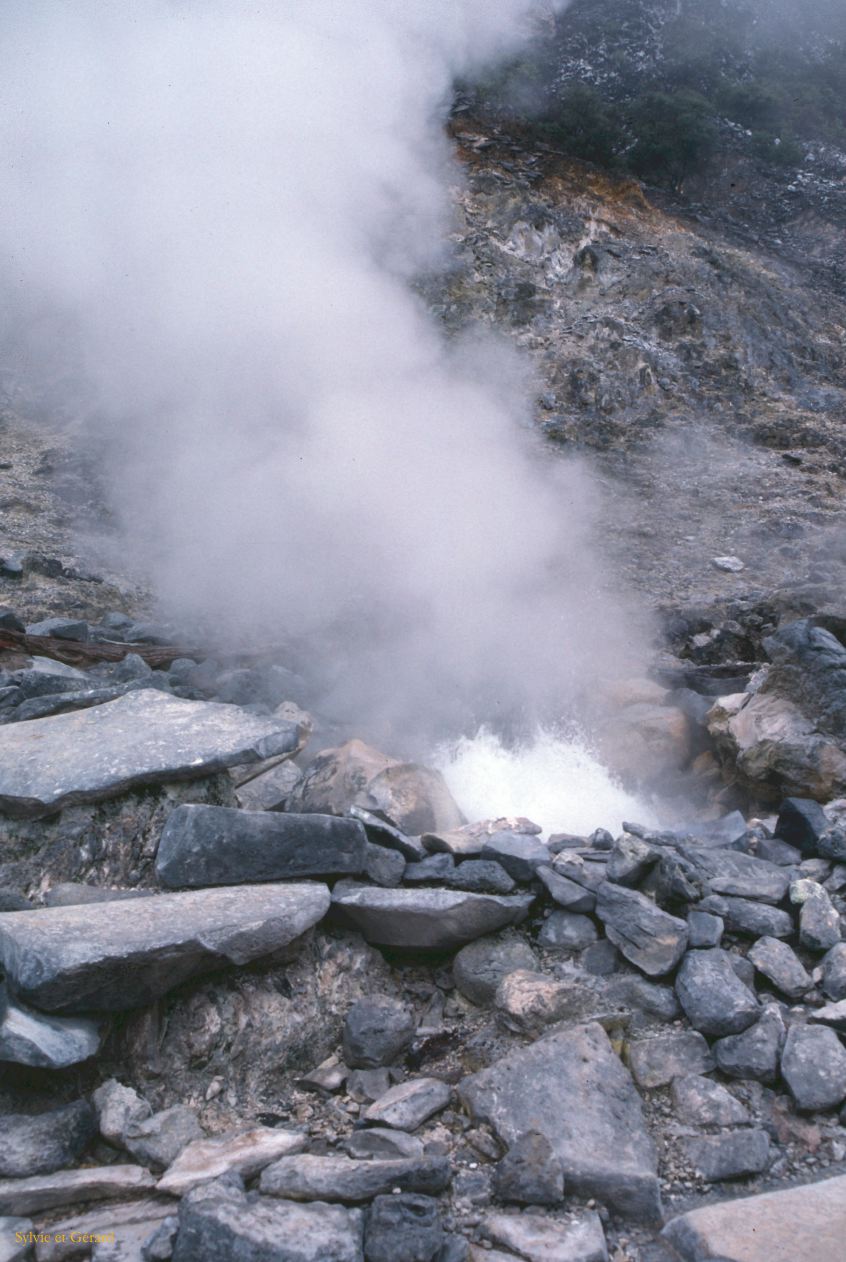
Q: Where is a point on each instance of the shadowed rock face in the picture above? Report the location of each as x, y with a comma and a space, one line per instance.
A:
142, 738
75, 959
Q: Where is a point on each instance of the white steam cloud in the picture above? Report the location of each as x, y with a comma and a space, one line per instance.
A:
221, 205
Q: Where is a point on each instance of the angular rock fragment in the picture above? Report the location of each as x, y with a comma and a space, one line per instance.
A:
801, 1224
702, 1102
245, 1153
657, 1061
745, 916
217, 845
45, 1142
738, 875
603, 1145
728, 1156
568, 894
376, 1031
217, 1223
801, 822
479, 967
124, 1224
144, 737
813, 1065
834, 972
648, 937
409, 1104
64, 959
270, 790
381, 1142
567, 931
519, 854
756, 1052
530, 1173
307, 1178
704, 929
540, 1239
780, 965
481, 876
156, 1141
819, 922
32, 1038
831, 1014
117, 1107
527, 1001
715, 1001
70, 1187
425, 919
404, 1228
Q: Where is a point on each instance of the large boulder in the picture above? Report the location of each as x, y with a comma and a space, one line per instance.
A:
572, 1088
144, 737
63, 959
415, 799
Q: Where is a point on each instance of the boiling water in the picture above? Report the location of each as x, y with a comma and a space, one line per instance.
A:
554, 779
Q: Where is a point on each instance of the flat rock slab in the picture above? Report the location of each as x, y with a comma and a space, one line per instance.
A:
655, 1062
73, 959
571, 1087
144, 737
217, 1223
73, 1187
125, 1222
742, 875
217, 845
803, 1224
424, 919
309, 1178
246, 1154
540, 1239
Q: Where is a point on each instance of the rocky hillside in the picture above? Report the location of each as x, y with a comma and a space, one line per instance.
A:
270, 1001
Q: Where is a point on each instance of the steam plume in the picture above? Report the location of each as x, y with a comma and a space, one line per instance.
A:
221, 204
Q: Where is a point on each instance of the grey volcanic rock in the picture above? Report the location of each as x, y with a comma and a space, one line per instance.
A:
834, 972
479, 967
376, 1031
648, 937
404, 1228
45, 1142
217, 845
571, 1087
813, 1065
705, 929
547, 1239
157, 1141
308, 1178
409, 1104
567, 931
656, 1062
244, 1153
702, 1102
144, 737
714, 999
65, 960
527, 1001
801, 823
728, 1156
42, 1042
520, 854
800, 1224
819, 922
738, 875
118, 1106
568, 894
755, 1053
425, 919
70, 1187
530, 1173
750, 918
270, 790
481, 876
218, 1223
780, 965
